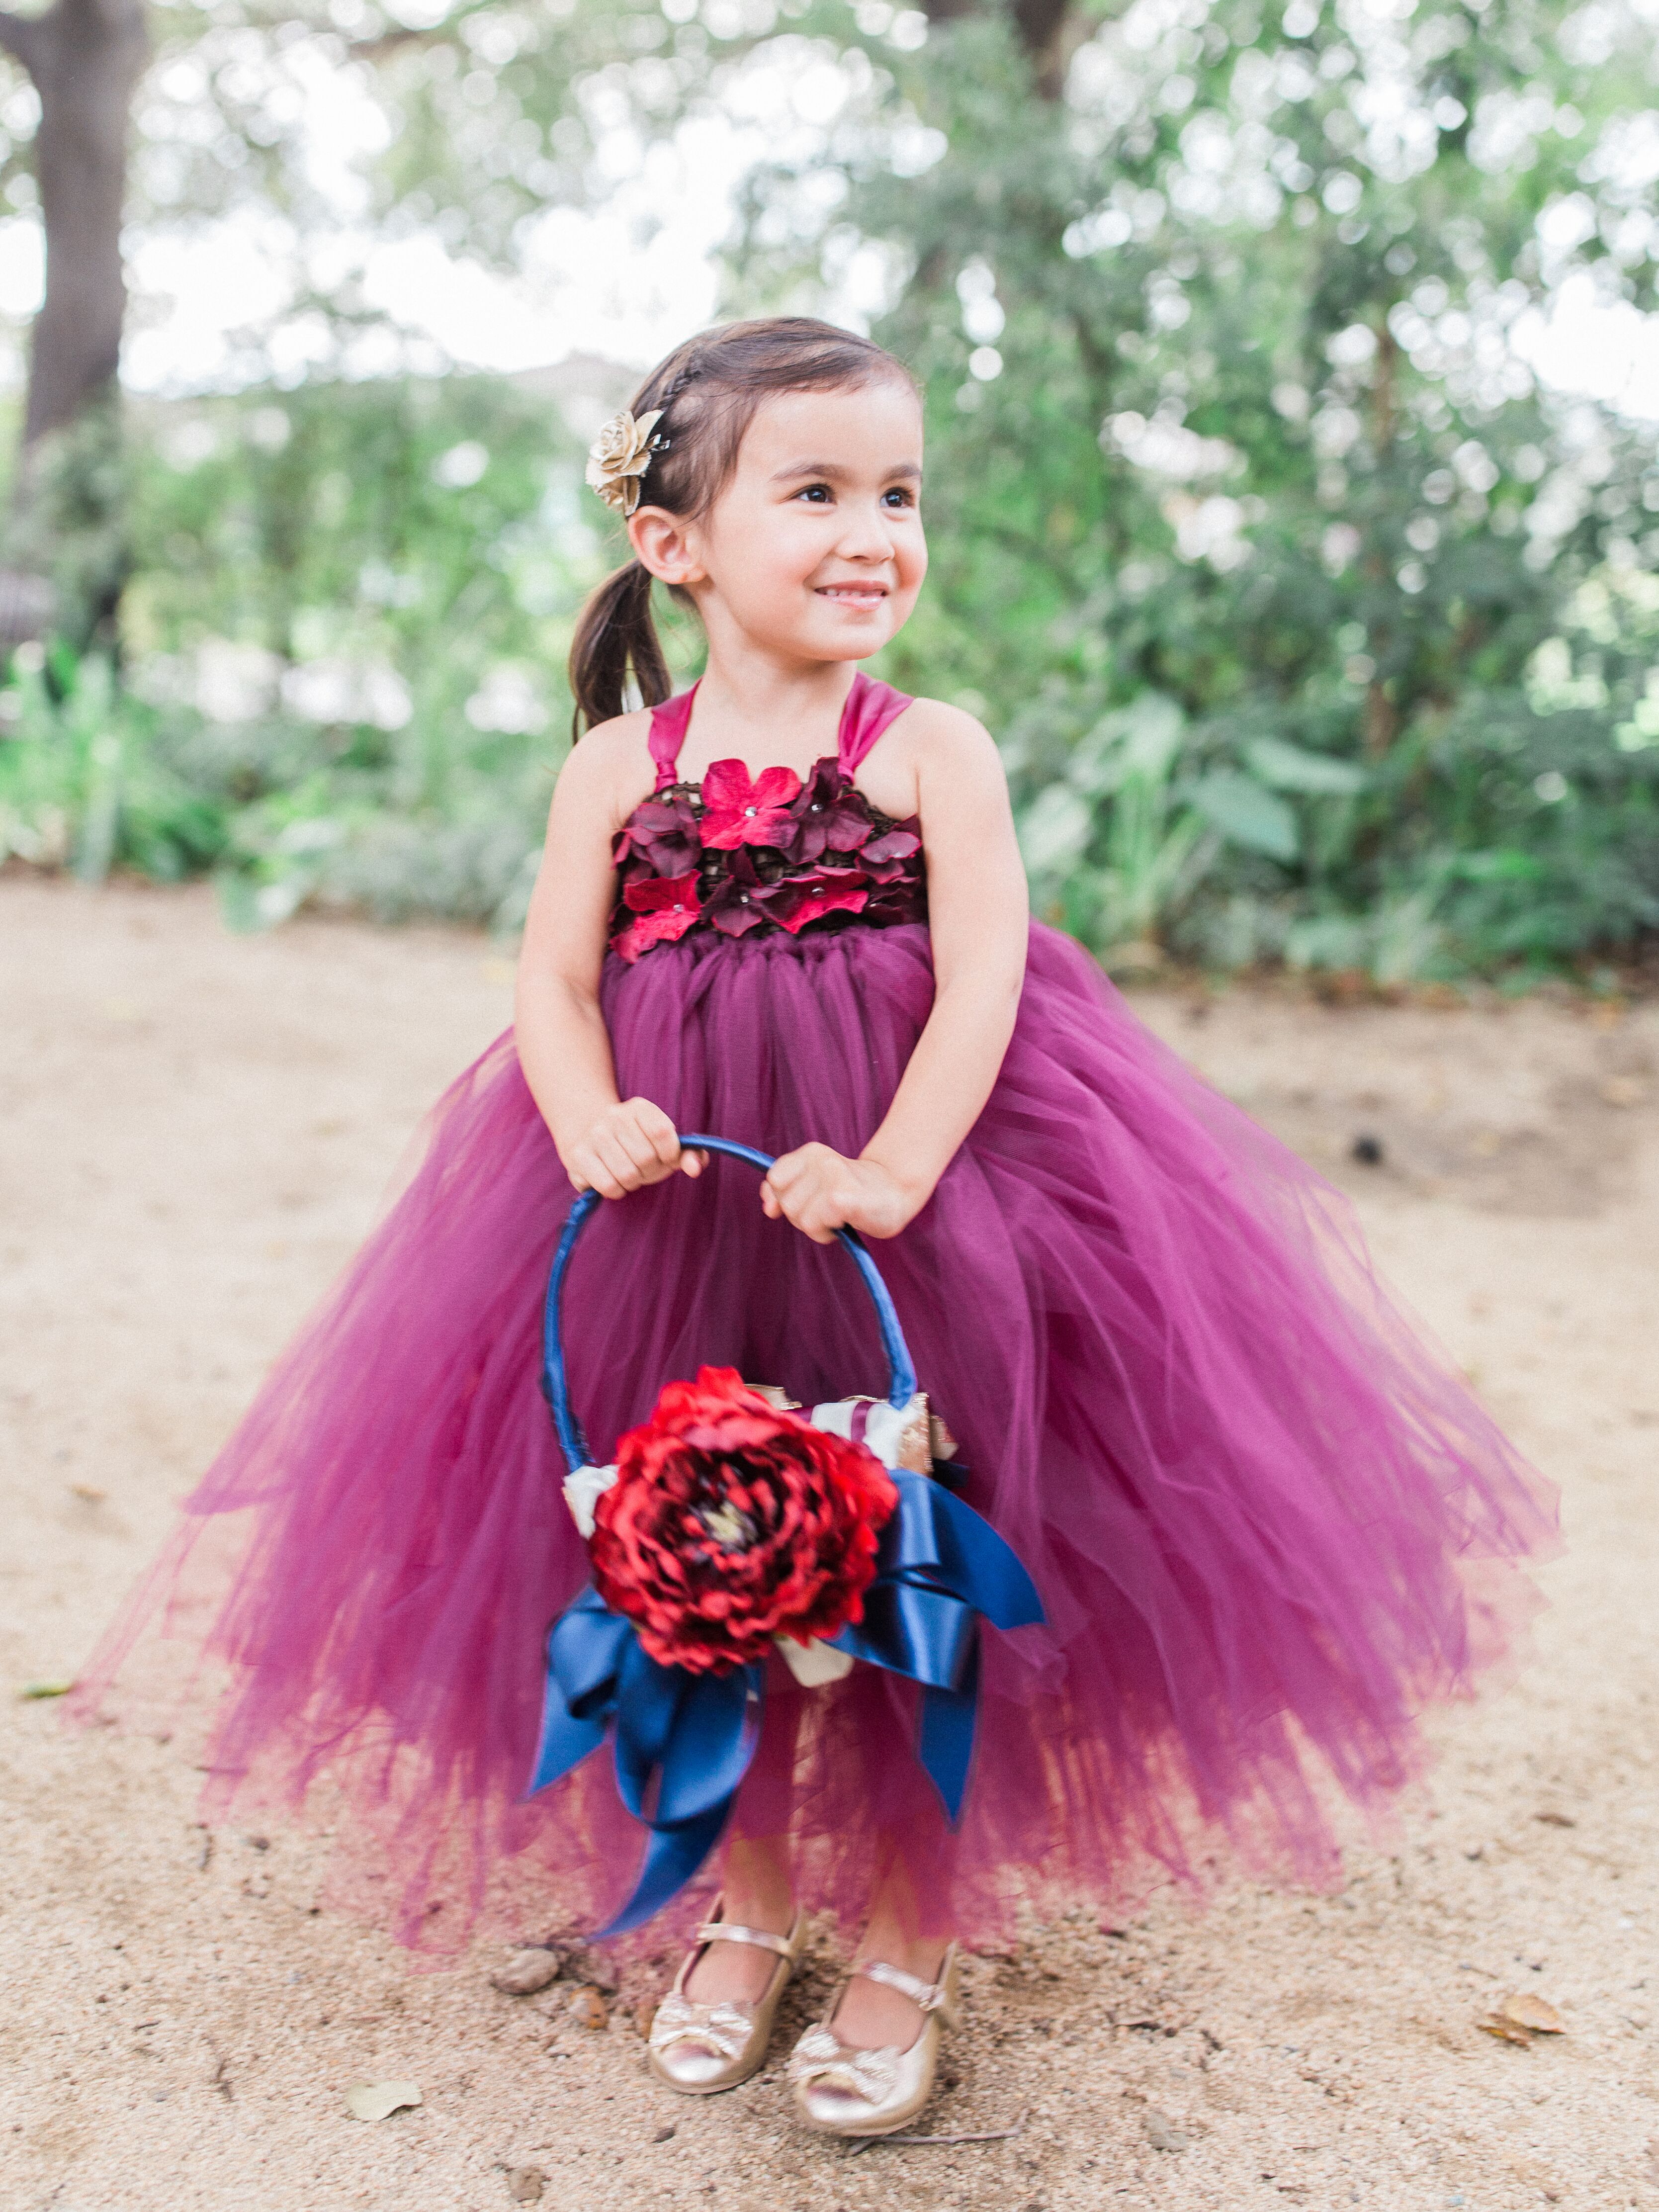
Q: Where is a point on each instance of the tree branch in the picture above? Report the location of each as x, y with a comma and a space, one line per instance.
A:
21, 37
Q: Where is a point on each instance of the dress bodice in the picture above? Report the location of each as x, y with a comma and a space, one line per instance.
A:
735, 854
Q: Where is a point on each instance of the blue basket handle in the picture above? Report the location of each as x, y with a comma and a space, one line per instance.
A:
901, 1368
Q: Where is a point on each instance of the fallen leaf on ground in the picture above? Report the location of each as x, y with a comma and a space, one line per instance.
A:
88, 1490
526, 1972
1529, 2011
1506, 2031
588, 2009
526, 2183
1163, 2134
377, 2100
45, 1689
1556, 1820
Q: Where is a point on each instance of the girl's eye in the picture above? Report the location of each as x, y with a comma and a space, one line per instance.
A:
899, 497
818, 494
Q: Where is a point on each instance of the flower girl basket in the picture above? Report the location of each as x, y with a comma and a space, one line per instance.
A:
731, 1527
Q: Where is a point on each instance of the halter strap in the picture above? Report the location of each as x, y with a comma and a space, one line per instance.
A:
870, 707
668, 727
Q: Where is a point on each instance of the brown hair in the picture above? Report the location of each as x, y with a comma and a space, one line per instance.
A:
709, 390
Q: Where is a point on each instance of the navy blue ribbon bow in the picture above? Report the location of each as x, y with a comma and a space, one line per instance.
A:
696, 1734
939, 1565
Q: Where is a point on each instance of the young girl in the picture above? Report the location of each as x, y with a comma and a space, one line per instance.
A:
786, 907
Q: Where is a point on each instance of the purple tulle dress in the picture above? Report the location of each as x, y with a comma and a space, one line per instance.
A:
1267, 1523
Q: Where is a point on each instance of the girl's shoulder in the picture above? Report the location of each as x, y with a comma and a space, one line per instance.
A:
939, 739
610, 764
935, 722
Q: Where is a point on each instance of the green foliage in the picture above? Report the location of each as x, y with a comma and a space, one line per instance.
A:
1226, 423
1314, 630
342, 640
353, 608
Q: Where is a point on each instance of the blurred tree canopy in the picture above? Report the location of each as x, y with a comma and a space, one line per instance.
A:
1313, 626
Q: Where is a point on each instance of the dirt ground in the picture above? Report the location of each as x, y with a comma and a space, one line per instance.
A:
196, 1130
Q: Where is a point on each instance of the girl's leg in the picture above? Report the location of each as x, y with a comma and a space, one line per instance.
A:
758, 1894
757, 1889
900, 1931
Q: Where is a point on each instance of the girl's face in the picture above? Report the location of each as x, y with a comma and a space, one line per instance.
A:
814, 550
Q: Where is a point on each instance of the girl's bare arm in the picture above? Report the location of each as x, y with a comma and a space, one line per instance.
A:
978, 911
606, 1143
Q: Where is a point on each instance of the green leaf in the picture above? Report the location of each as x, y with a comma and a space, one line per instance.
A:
1288, 768
1247, 815
1138, 741
1054, 830
46, 1689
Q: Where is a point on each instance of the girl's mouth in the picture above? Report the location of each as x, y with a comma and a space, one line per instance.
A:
866, 597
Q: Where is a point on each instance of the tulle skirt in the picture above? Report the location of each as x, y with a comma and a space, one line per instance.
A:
1268, 1526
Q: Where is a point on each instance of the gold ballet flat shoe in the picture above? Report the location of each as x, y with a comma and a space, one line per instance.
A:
845, 2092
699, 2049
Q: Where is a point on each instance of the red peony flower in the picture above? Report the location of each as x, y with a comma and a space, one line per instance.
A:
666, 907
736, 812
730, 1523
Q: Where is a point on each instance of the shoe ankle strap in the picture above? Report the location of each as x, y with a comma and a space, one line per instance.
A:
726, 1931
928, 1996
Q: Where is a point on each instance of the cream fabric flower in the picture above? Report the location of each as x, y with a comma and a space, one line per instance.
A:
620, 456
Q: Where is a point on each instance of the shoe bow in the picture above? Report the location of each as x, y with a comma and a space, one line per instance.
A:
820, 2061
725, 2027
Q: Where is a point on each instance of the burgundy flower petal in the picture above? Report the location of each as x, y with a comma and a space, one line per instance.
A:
895, 844
830, 815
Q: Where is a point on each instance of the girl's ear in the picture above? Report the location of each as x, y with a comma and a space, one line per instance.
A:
664, 543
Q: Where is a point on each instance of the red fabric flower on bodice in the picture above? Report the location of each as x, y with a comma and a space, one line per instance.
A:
736, 812
664, 911
738, 854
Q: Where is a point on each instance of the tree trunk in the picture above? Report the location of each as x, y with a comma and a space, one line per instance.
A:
65, 552
85, 56
1048, 30
1381, 714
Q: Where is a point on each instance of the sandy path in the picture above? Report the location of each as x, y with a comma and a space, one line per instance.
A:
196, 1132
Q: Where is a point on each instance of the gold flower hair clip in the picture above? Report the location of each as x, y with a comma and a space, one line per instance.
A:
620, 456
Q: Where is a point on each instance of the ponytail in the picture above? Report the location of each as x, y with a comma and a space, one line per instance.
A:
615, 634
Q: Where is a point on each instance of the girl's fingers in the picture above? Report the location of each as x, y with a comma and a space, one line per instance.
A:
597, 1177
612, 1155
659, 1131
637, 1149
693, 1164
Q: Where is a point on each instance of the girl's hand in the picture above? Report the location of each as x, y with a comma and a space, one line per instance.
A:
820, 1192
630, 1145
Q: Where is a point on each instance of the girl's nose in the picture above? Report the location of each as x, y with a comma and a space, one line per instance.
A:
865, 536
